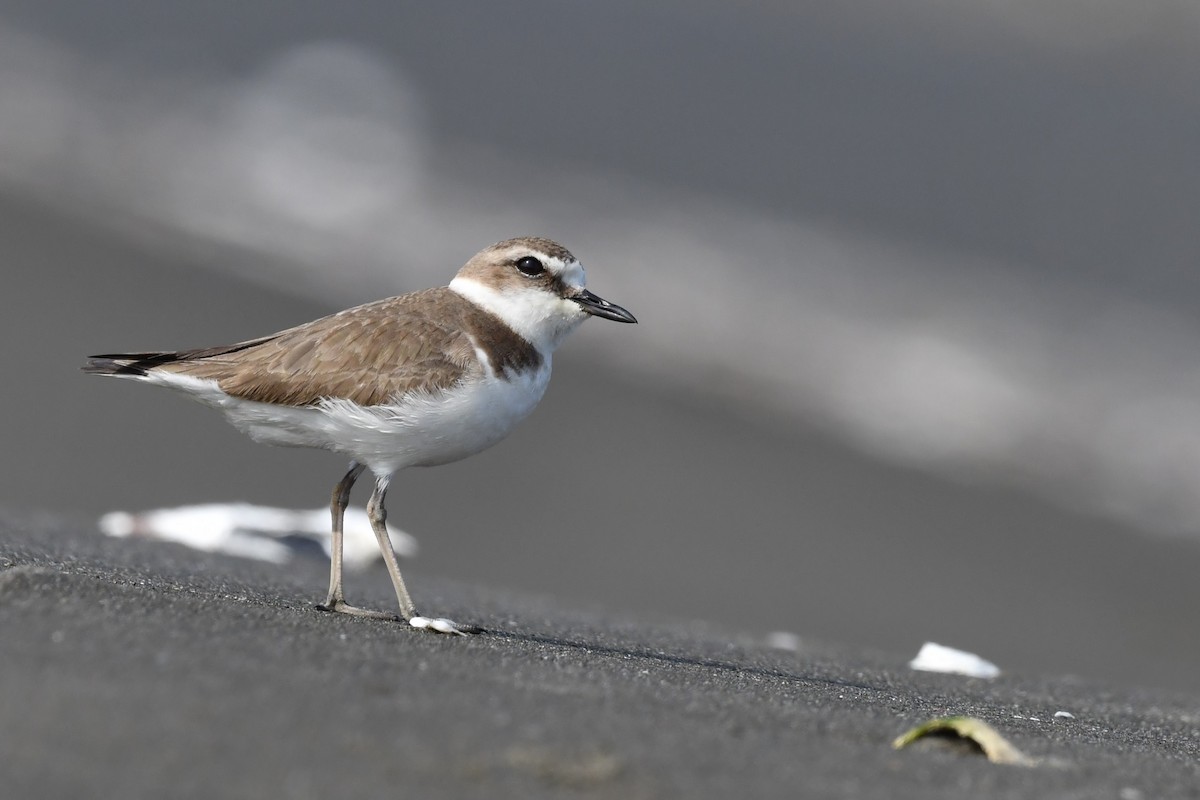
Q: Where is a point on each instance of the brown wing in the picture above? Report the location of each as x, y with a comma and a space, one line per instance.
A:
369, 354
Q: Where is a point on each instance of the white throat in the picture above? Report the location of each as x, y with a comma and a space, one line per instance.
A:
541, 318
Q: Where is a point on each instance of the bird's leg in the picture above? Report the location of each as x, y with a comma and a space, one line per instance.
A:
337, 509
378, 516
336, 601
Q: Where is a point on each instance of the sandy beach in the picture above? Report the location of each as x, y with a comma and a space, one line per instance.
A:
139, 669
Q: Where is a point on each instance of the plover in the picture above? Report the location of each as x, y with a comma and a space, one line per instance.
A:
417, 380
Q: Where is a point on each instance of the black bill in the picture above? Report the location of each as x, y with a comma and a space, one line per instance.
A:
599, 307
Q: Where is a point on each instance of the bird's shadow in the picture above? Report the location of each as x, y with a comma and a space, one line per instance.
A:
676, 659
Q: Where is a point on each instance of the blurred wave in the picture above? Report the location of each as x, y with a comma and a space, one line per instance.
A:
312, 158
323, 159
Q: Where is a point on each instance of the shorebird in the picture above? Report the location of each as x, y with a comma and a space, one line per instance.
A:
421, 379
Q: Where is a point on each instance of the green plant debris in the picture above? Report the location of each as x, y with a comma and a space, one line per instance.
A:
984, 738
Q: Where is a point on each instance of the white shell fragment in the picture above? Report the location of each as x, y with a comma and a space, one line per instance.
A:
783, 640
939, 658
259, 532
437, 625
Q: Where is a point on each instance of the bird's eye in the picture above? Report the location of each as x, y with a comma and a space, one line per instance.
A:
530, 266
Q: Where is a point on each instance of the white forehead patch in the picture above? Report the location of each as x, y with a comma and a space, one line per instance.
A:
569, 272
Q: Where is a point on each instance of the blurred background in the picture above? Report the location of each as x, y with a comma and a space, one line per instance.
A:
919, 352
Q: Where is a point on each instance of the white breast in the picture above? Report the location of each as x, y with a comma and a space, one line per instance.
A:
424, 430
420, 430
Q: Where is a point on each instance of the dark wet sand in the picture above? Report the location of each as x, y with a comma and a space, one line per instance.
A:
137, 669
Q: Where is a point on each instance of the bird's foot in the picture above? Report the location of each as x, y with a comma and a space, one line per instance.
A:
443, 625
342, 607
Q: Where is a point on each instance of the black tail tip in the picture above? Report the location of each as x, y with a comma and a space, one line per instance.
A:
106, 365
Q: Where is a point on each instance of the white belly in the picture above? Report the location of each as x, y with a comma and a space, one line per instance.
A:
422, 430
